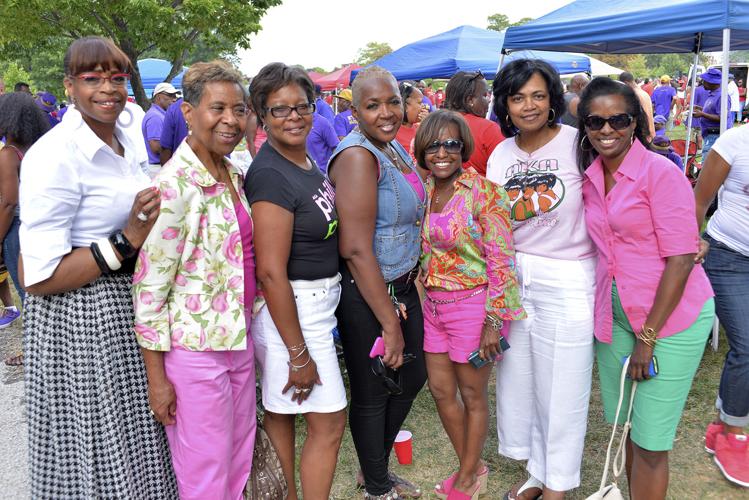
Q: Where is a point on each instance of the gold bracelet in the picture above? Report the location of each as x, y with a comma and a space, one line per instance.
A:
648, 336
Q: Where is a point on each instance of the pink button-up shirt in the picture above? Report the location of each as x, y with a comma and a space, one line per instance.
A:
647, 216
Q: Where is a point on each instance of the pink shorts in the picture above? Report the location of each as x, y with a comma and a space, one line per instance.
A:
454, 328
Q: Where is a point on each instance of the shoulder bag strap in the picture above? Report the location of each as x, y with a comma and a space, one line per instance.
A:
621, 449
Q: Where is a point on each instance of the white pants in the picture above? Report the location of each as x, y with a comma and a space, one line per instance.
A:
543, 382
316, 302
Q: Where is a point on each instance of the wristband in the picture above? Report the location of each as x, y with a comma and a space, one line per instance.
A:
107, 252
99, 259
495, 323
122, 244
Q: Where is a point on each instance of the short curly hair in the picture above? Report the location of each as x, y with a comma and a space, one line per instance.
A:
275, 76
21, 120
199, 74
511, 79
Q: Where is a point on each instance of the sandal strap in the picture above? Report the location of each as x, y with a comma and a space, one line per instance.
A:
390, 495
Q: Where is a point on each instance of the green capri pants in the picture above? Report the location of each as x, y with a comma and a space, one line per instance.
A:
659, 401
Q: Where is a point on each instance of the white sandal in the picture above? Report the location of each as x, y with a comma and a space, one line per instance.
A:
532, 482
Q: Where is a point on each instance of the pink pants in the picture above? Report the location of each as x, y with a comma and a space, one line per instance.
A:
213, 438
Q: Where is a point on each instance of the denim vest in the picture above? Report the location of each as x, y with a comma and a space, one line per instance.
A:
397, 238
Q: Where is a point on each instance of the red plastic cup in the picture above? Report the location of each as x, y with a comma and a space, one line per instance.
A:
404, 447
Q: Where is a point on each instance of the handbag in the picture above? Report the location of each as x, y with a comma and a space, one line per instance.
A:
266, 481
612, 491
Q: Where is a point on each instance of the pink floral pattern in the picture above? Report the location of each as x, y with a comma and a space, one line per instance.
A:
188, 285
470, 244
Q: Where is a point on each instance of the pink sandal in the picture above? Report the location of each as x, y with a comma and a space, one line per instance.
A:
443, 488
473, 494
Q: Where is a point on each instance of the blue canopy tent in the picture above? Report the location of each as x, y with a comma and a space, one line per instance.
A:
154, 71
465, 48
641, 27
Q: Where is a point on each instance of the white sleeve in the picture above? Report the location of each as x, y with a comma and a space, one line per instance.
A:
729, 144
49, 196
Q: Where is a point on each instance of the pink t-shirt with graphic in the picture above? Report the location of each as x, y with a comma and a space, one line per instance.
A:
546, 200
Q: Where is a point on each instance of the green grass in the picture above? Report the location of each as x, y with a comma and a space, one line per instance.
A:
693, 473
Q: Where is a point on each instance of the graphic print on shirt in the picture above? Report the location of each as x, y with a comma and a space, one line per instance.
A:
325, 201
534, 191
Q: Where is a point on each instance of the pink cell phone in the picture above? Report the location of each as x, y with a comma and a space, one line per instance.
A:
378, 348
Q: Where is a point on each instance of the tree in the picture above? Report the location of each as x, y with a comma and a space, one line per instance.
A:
174, 27
371, 52
500, 22
638, 66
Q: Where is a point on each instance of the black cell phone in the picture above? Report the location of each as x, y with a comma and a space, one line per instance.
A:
478, 362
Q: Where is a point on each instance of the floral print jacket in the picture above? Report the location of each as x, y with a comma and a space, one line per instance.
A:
469, 244
188, 285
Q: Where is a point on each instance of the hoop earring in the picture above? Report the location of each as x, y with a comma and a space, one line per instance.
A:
130, 115
581, 144
508, 122
553, 116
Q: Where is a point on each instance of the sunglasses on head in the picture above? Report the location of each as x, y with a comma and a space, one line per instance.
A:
617, 122
450, 145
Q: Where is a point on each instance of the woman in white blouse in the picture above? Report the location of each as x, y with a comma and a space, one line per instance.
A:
85, 211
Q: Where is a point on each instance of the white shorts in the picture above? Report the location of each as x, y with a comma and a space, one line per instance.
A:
316, 302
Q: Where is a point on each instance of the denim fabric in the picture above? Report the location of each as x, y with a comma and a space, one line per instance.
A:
728, 271
707, 144
397, 237
11, 251
375, 415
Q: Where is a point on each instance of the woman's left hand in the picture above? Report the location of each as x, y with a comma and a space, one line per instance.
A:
489, 348
699, 258
639, 362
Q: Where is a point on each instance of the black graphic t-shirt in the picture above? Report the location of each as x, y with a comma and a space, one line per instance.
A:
546, 200
311, 198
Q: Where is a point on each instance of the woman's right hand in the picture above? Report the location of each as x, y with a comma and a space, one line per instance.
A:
163, 401
148, 202
302, 381
394, 345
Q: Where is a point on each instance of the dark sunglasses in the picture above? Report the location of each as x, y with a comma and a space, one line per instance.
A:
284, 111
617, 122
450, 145
390, 378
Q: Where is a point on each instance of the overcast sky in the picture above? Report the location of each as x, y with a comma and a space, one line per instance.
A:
329, 33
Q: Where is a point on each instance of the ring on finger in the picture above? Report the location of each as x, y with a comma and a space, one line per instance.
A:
306, 390
297, 390
142, 216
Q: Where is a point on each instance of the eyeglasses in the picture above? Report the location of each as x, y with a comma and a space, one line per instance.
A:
617, 122
451, 146
284, 111
392, 382
95, 79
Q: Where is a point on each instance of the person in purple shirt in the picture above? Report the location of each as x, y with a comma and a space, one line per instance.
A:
663, 98
709, 113
321, 141
662, 146
163, 96
425, 101
173, 132
322, 108
344, 121
46, 103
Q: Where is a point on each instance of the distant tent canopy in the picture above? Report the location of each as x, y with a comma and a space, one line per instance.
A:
635, 27
153, 72
466, 48
337, 79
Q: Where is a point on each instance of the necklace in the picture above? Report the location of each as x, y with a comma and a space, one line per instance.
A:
390, 153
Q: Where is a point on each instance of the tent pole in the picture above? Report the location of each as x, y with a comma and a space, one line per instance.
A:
724, 81
691, 106
499, 67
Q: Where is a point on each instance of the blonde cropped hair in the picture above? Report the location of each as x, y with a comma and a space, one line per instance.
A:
369, 73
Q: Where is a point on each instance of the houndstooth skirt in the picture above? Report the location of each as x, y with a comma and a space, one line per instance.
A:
91, 434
